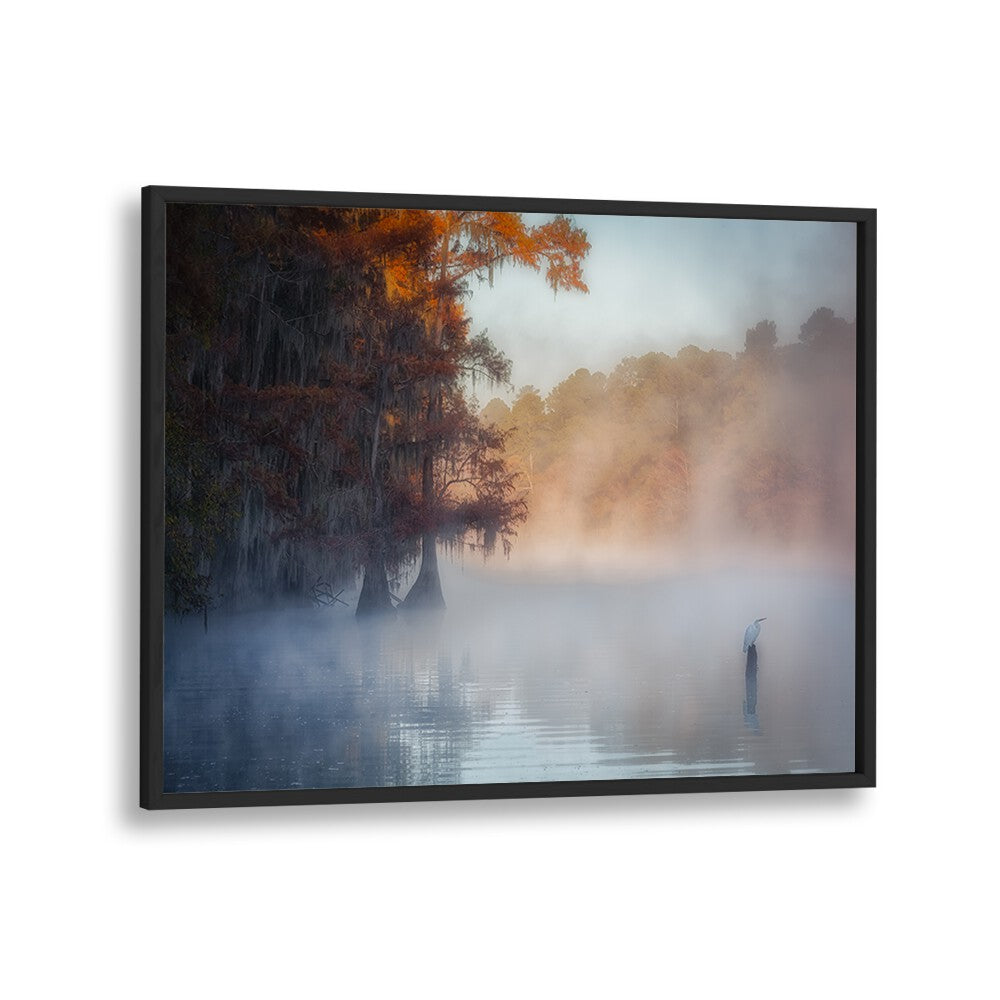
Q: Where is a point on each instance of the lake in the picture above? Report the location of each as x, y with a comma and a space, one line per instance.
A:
522, 679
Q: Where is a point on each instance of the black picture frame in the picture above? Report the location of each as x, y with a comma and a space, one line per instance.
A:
154, 202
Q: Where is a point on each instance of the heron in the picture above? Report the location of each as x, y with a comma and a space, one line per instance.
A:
753, 630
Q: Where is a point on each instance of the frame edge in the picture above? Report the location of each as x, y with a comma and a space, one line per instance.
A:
151, 542
153, 319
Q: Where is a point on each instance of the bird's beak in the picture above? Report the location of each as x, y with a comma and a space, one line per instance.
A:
764, 619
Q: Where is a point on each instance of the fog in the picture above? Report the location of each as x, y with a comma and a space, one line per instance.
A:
677, 461
667, 505
521, 680
698, 460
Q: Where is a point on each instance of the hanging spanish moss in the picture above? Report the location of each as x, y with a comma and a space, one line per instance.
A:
318, 430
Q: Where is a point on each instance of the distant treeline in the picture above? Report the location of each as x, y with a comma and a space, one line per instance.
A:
317, 424
704, 446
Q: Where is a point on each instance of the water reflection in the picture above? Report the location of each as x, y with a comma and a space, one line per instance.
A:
516, 683
750, 699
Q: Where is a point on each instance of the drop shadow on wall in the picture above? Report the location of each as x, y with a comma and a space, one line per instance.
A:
128, 214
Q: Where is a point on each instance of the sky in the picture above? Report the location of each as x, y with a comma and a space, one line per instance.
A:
658, 284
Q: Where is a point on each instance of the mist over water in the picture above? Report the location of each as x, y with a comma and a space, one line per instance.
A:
677, 461
522, 679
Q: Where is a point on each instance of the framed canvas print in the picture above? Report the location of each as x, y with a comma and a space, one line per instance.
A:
459, 497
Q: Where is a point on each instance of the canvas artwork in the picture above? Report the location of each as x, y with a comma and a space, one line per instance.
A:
468, 496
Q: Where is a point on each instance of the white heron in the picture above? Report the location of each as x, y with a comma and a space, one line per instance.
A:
753, 630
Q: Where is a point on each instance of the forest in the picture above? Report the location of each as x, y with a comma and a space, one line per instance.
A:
322, 423
319, 370
695, 451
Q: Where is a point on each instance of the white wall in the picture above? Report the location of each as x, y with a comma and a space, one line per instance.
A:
890, 891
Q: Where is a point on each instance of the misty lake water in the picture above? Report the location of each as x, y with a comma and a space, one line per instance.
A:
520, 680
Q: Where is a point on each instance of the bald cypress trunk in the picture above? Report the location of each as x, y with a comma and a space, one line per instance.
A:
374, 598
426, 593
426, 590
